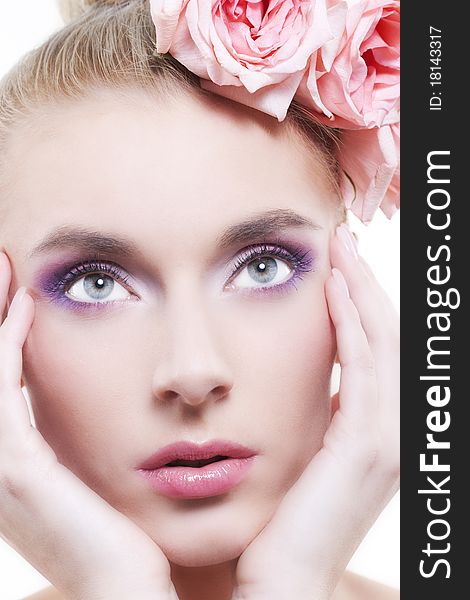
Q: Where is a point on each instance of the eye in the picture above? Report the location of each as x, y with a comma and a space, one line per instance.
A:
88, 284
269, 267
263, 271
96, 287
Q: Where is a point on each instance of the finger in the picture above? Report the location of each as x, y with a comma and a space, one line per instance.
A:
45, 510
358, 385
14, 414
353, 245
378, 316
5, 284
13, 333
369, 271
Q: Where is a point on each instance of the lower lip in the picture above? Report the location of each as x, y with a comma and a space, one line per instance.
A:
198, 482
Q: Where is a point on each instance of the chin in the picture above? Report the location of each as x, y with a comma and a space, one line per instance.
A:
202, 554
204, 535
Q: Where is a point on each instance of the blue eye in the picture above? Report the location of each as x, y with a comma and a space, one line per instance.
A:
263, 271
89, 284
268, 267
96, 284
97, 287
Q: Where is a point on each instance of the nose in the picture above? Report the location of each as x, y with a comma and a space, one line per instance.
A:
193, 370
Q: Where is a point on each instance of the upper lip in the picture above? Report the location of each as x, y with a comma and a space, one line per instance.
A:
185, 450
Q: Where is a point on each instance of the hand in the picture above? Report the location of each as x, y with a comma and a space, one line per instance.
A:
304, 549
82, 545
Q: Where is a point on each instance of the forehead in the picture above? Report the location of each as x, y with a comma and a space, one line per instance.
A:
138, 165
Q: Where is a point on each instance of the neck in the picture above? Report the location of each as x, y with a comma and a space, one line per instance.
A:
214, 582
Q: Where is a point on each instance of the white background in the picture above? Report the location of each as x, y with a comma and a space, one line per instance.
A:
25, 24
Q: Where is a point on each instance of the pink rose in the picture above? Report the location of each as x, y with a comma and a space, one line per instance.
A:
353, 83
371, 176
252, 51
339, 58
356, 83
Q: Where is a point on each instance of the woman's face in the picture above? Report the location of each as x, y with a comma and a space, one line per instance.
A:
204, 317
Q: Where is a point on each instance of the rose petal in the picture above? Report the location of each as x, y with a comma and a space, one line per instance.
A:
165, 15
359, 83
273, 100
337, 19
370, 158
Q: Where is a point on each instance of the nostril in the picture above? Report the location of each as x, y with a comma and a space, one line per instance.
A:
169, 395
216, 393
220, 392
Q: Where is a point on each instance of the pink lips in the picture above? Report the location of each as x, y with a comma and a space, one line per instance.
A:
229, 464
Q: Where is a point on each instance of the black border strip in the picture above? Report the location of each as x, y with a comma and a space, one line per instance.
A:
424, 131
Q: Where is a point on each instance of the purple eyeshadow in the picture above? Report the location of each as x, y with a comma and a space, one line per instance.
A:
301, 258
54, 282
57, 278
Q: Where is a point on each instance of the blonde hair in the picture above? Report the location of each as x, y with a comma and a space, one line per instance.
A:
111, 43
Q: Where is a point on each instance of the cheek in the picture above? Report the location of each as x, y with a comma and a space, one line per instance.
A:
287, 342
286, 353
79, 376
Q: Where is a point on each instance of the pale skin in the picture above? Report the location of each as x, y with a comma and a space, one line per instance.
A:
240, 364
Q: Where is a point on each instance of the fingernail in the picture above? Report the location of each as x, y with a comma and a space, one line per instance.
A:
18, 297
346, 237
340, 280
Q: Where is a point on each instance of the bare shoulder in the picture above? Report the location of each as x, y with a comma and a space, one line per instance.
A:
49, 593
351, 587
356, 587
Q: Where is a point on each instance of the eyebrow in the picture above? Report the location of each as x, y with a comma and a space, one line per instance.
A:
262, 224
256, 226
80, 238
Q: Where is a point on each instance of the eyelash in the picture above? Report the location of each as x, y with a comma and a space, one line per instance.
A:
299, 259
65, 280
